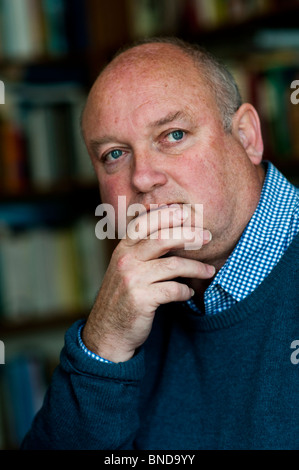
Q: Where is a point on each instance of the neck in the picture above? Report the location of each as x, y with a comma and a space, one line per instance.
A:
217, 252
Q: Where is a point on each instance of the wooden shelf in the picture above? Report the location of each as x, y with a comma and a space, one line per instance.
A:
276, 17
237, 38
56, 191
34, 324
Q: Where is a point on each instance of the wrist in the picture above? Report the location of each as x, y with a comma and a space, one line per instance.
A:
87, 351
102, 351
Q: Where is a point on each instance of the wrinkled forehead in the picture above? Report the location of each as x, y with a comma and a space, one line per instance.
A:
144, 76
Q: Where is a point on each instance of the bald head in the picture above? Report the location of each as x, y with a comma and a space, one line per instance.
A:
150, 55
169, 57
153, 62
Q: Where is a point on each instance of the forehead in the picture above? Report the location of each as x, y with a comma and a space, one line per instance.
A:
144, 83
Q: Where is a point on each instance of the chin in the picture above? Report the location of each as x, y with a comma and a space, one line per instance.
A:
190, 254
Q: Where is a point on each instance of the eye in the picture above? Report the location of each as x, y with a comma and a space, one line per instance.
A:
175, 136
113, 155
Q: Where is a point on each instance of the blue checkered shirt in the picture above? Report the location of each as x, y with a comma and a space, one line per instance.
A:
268, 234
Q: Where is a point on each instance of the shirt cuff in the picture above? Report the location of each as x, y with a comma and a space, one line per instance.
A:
87, 351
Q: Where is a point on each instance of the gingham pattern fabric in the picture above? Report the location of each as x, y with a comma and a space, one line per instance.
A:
87, 351
271, 229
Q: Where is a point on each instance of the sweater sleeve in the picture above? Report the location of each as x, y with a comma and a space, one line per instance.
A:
89, 404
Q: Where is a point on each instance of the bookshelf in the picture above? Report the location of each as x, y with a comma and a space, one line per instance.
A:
51, 263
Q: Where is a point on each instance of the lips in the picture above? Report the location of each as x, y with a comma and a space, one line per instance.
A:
161, 206
148, 208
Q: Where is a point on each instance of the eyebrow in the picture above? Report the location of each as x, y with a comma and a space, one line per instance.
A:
168, 119
96, 143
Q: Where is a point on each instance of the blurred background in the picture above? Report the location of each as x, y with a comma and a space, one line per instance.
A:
51, 263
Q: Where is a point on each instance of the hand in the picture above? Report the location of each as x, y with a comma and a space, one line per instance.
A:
137, 281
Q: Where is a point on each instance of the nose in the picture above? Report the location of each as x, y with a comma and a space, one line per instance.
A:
147, 173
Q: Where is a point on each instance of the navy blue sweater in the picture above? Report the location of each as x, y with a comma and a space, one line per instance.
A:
228, 381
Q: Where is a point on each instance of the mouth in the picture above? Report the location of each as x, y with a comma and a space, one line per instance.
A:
161, 206
155, 207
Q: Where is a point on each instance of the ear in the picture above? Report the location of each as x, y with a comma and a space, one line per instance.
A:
247, 129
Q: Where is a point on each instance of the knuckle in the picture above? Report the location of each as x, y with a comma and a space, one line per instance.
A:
172, 264
167, 294
137, 299
128, 281
177, 289
180, 291
173, 290
122, 261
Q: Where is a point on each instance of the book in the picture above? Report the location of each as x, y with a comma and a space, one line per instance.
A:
19, 27
12, 158
16, 286
35, 28
265, 81
94, 255
55, 26
65, 276
37, 129
23, 388
216, 13
84, 170
50, 271
41, 142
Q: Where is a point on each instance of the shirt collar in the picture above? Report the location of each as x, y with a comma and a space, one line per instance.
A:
270, 226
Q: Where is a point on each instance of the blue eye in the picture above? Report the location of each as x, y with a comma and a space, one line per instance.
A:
113, 155
175, 136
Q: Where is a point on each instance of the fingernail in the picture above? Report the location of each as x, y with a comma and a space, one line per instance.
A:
211, 270
207, 236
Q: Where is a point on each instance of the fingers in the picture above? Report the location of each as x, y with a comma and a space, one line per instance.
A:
139, 279
175, 266
149, 223
155, 233
171, 291
165, 240
152, 284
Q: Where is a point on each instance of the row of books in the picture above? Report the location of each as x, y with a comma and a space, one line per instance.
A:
34, 28
41, 142
23, 382
154, 17
266, 81
206, 15
30, 29
50, 270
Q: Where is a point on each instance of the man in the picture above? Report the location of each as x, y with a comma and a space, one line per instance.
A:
184, 348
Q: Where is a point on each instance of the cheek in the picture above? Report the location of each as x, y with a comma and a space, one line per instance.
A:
204, 178
112, 185
199, 173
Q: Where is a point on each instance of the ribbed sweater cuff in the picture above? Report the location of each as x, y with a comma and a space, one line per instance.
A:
75, 360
